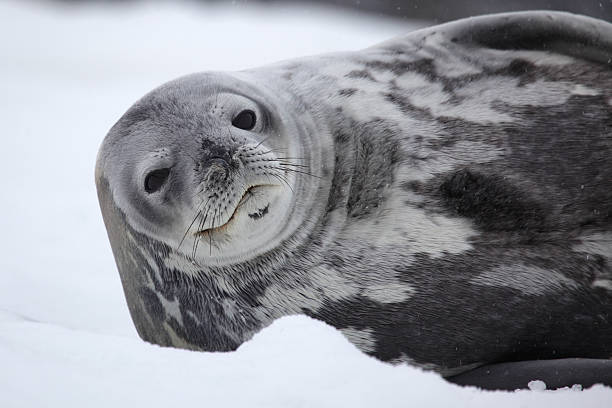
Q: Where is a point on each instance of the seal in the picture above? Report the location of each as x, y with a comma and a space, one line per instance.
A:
443, 198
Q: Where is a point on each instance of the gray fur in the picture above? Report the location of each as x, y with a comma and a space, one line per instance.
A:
364, 339
525, 280
457, 210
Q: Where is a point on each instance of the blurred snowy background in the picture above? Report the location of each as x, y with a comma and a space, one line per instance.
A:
67, 72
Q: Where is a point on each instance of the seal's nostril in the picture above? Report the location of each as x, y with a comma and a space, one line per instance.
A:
218, 168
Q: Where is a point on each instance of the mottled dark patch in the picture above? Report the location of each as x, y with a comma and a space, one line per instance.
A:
403, 104
397, 49
399, 66
412, 185
152, 303
335, 261
361, 74
492, 202
376, 151
429, 326
559, 154
347, 91
564, 150
425, 67
342, 175
525, 70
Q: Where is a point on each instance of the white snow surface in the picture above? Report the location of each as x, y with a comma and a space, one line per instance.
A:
66, 338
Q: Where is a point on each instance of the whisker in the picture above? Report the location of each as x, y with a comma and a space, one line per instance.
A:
292, 164
274, 152
283, 180
264, 153
259, 144
303, 172
290, 158
200, 226
279, 172
198, 238
198, 213
210, 232
199, 192
286, 163
194, 247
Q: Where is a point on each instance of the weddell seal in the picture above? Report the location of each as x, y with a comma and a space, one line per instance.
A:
443, 198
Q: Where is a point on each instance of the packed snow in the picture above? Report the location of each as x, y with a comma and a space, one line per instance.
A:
66, 338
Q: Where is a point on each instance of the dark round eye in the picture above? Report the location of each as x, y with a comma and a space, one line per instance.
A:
245, 120
155, 180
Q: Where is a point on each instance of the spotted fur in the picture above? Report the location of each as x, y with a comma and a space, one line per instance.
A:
463, 187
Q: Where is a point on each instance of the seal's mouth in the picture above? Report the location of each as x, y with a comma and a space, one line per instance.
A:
248, 193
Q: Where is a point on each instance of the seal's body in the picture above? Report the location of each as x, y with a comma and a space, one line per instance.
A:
444, 198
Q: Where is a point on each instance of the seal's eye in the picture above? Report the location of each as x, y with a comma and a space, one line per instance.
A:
245, 120
155, 180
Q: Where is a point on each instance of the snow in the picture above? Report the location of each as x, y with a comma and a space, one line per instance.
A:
66, 338
296, 362
537, 385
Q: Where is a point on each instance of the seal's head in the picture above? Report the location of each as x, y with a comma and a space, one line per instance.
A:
207, 169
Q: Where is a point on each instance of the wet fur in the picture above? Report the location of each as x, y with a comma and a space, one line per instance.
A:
462, 227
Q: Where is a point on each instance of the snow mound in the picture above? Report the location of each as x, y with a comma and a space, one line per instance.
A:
297, 361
